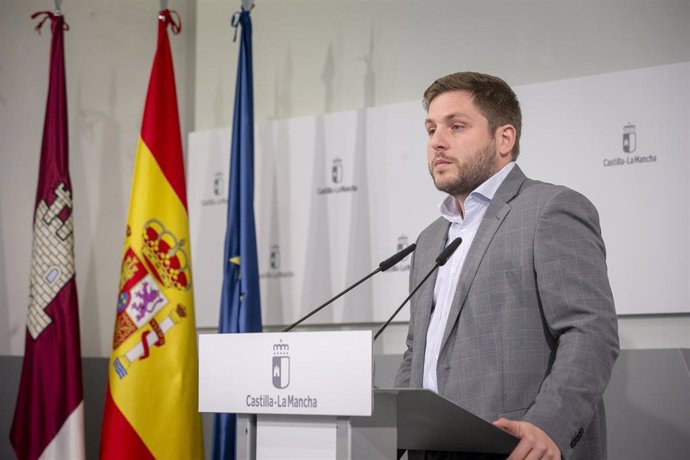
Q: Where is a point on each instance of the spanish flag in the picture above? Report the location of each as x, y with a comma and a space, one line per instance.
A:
152, 395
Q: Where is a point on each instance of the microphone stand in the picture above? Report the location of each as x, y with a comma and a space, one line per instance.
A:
323, 305
440, 260
385, 325
383, 266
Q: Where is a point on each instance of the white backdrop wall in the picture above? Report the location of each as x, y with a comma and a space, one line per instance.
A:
310, 57
341, 192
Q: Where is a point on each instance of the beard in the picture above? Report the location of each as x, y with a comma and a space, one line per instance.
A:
471, 175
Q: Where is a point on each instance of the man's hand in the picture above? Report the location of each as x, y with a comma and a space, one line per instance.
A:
534, 443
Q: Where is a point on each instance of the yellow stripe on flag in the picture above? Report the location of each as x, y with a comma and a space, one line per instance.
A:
158, 394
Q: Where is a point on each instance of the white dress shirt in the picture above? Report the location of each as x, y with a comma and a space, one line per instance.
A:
465, 227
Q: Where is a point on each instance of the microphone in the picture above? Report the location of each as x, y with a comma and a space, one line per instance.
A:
440, 260
383, 266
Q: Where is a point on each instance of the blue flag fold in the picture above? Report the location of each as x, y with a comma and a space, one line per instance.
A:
240, 309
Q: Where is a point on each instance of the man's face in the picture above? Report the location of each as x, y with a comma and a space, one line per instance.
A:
461, 150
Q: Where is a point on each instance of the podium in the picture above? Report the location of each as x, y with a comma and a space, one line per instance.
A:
310, 395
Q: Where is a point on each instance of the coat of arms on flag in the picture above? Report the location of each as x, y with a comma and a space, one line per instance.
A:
142, 296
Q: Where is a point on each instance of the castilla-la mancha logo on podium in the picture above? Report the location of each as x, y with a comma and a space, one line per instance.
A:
281, 365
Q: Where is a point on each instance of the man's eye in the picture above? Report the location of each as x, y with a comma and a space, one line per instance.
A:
456, 127
431, 131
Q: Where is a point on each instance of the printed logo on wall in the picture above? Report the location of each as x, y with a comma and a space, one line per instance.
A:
629, 138
275, 257
629, 146
216, 191
274, 263
218, 184
337, 171
337, 175
281, 365
402, 243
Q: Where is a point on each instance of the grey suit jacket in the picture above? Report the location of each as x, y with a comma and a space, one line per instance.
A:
532, 331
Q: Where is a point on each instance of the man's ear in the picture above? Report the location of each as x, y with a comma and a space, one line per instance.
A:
505, 141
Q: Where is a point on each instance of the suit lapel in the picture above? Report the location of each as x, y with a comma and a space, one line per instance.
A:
493, 218
424, 298
433, 241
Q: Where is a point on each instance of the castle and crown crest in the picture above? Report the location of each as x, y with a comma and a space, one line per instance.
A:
164, 255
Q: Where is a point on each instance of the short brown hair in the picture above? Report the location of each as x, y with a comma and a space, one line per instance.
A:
492, 96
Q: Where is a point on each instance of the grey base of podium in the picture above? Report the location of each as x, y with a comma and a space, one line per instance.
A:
402, 419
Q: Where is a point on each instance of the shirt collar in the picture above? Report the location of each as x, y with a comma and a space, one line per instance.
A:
484, 192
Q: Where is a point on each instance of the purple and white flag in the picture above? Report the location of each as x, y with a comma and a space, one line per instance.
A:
48, 417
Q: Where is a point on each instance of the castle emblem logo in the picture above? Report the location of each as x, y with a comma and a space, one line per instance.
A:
215, 190
52, 265
218, 184
337, 171
337, 179
629, 145
281, 365
629, 138
275, 265
275, 257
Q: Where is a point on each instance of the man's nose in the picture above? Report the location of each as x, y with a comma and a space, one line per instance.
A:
438, 140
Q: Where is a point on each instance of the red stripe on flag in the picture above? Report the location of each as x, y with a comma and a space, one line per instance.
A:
160, 128
118, 439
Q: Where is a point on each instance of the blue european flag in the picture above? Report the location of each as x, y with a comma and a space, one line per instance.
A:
240, 309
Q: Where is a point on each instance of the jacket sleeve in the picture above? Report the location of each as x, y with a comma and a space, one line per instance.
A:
578, 308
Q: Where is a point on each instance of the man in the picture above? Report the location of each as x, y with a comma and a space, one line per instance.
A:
519, 327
